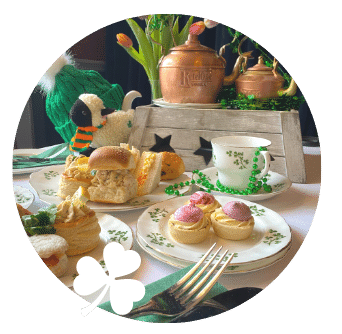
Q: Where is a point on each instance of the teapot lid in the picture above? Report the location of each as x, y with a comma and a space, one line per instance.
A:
192, 44
260, 66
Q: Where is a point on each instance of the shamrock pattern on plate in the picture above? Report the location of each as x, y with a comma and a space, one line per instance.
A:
119, 236
158, 239
50, 174
157, 214
273, 236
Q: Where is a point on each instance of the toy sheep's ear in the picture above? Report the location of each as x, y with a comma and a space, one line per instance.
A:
107, 111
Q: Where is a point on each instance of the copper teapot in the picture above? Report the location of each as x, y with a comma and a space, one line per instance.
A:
263, 81
193, 73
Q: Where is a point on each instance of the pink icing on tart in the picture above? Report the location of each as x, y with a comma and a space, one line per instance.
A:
188, 214
201, 197
238, 211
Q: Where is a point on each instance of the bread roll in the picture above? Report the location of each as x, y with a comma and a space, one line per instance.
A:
111, 158
172, 166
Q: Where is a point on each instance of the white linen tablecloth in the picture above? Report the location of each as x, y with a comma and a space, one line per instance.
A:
297, 206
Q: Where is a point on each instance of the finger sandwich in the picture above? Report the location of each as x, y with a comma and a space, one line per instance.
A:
51, 248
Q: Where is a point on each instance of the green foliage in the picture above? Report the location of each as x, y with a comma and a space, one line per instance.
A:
42, 222
229, 99
161, 34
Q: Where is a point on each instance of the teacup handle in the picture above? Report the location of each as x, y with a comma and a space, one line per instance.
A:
266, 169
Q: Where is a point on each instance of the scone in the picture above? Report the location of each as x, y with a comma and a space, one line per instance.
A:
188, 225
78, 225
233, 221
114, 181
206, 202
77, 173
172, 166
51, 249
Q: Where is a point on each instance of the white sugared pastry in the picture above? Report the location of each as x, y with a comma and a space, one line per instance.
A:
51, 248
233, 221
206, 202
78, 225
189, 225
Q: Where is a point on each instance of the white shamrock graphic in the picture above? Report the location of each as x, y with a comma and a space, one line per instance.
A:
119, 263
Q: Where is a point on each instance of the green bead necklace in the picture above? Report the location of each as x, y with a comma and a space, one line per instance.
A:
253, 186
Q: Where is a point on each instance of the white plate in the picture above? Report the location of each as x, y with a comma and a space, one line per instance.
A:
45, 183
231, 269
23, 196
270, 236
26, 152
278, 182
112, 230
161, 103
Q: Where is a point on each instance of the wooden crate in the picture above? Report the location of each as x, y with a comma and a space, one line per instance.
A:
186, 126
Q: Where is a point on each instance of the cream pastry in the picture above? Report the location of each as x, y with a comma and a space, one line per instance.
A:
78, 225
233, 221
189, 225
206, 202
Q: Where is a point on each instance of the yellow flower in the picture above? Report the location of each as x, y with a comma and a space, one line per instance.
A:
124, 40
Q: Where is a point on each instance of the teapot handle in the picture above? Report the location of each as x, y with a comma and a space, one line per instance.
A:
223, 47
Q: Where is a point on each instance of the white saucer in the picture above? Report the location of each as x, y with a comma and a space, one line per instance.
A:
278, 182
23, 196
161, 103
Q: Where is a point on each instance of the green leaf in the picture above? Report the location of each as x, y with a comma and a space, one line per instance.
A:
183, 35
175, 30
146, 49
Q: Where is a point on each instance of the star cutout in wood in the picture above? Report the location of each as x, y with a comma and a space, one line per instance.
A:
162, 144
205, 150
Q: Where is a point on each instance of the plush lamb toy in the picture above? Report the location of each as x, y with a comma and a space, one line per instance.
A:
98, 126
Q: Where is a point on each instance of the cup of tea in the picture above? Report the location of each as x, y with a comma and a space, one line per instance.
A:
235, 159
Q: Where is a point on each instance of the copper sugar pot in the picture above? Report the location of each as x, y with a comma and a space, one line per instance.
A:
263, 82
191, 73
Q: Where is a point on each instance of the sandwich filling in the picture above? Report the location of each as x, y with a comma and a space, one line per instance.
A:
143, 173
69, 211
51, 261
78, 169
113, 186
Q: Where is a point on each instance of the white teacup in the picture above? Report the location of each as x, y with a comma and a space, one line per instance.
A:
233, 158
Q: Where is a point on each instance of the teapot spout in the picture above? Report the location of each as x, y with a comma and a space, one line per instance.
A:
290, 91
241, 62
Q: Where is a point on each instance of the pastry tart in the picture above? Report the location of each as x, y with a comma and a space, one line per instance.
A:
78, 225
188, 225
206, 202
233, 221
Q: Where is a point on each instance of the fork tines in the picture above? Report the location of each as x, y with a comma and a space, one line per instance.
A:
186, 288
